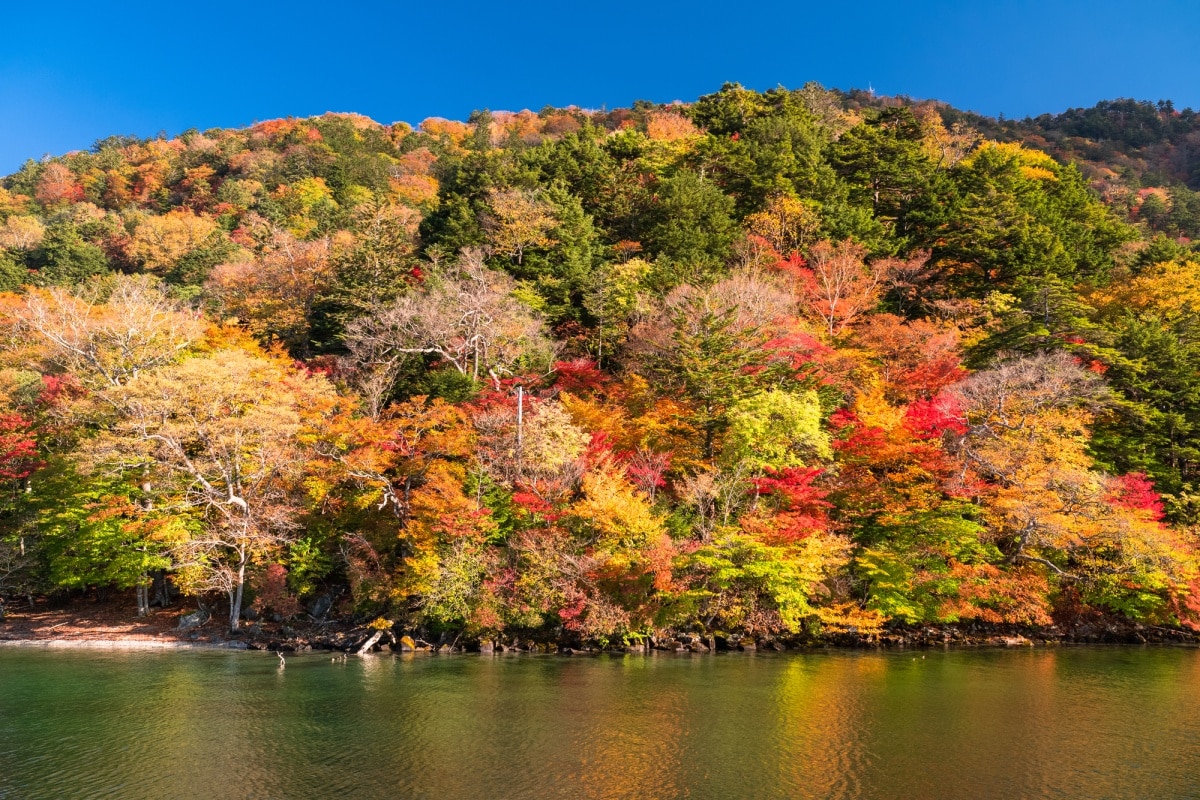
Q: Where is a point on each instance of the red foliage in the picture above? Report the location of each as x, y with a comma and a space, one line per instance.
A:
532, 503
855, 437
803, 509
1136, 492
646, 469
57, 389
929, 377
929, 419
271, 592
18, 448
795, 266
578, 376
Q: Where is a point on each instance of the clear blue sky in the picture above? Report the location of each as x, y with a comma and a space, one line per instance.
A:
71, 73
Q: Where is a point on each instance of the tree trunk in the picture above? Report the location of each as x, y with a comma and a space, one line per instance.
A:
235, 598
162, 591
367, 645
143, 599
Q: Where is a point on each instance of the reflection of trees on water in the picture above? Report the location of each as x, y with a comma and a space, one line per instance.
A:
1075, 722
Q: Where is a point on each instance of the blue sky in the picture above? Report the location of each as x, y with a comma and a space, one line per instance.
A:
71, 73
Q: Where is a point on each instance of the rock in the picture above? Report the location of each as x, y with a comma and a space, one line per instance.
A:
698, 647
1016, 641
486, 646
670, 645
445, 649
407, 645
321, 606
747, 645
193, 620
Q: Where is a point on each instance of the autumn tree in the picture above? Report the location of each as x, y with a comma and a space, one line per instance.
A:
838, 286
274, 294
108, 333
466, 318
1025, 439
518, 221
221, 438
159, 242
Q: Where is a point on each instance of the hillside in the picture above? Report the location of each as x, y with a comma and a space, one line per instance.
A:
787, 361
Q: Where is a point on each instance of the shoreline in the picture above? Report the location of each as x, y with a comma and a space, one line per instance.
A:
109, 626
121, 644
947, 638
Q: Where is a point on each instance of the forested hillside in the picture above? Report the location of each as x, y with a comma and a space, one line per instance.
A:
793, 361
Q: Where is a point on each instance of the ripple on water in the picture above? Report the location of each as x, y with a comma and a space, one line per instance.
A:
1079, 723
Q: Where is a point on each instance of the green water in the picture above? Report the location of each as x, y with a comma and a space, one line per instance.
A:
1071, 723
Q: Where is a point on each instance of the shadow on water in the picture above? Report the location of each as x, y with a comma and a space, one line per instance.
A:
1070, 723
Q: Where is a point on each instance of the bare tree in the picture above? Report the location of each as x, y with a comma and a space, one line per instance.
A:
468, 318
106, 334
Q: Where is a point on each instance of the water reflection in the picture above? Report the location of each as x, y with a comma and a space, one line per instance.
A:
1078, 723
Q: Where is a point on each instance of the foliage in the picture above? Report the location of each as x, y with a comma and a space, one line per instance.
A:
778, 361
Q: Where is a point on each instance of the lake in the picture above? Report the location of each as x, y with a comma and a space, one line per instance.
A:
1033, 723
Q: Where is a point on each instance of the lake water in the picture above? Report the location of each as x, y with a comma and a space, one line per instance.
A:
1069, 723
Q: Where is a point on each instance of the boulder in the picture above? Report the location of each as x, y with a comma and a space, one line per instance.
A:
407, 645
193, 620
321, 606
723, 641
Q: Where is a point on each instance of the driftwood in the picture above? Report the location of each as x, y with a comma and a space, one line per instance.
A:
369, 643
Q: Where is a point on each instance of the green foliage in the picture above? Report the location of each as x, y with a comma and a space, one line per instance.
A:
94, 532
65, 258
775, 430
13, 274
691, 224
735, 579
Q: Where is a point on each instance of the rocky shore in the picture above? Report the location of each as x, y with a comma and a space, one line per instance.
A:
93, 625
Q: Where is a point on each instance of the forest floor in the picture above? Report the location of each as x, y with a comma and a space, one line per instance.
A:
87, 622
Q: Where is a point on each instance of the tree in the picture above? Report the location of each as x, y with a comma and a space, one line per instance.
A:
775, 430
691, 223
708, 359
21, 233
838, 286
159, 242
58, 186
109, 333
884, 165
274, 295
519, 221
467, 318
787, 223
1025, 441
221, 438
65, 258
